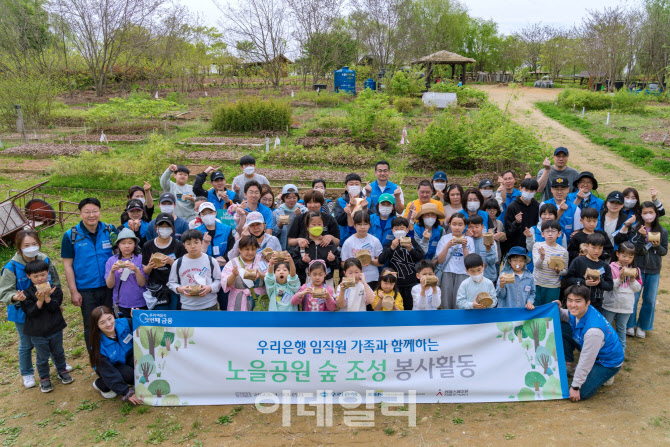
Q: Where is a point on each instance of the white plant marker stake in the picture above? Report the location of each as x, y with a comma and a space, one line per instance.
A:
583, 110
608, 118
267, 144
276, 142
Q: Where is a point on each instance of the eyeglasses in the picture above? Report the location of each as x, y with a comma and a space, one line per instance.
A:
90, 213
383, 171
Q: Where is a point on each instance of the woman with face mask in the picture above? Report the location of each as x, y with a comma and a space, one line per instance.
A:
651, 243
473, 205
427, 229
12, 283
439, 185
218, 238
380, 223
631, 202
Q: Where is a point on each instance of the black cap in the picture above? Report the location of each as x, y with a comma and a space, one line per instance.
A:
182, 168
586, 174
167, 197
87, 200
134, 204
615, 196
485, 183
560, 149
560, 182
216, 175
164, 218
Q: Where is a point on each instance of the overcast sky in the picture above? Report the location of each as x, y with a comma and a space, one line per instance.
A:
511, 15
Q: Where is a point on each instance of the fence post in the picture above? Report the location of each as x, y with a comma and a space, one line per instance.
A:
20, 127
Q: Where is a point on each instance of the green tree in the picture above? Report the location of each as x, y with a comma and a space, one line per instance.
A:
150, 337
147, 366
537, 329
518, 331
177, 345
505, 327
552, 388
527, 344
526, 394
162, 352
168, 339
533, 379
142, 392
543, 358
550, 344
482, 43
159, 388
171, 400
185, 333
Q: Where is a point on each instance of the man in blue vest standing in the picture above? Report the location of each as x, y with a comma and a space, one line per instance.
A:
383, 186
585, 329
569, 214
85, 249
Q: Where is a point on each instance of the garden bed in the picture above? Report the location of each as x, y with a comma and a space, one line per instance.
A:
331, 131
209, 155
656, 137
47, 150
224, 141
324, 141
286, 175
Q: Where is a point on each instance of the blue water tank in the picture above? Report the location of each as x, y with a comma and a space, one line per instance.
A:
345, 80
371, 84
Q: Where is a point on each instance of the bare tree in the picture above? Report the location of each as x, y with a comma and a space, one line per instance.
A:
382, 33
533, 38
263, 23
654, 52
557, 50
100, 29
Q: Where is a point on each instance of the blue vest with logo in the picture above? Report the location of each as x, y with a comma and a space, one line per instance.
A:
117, 351
611, 354
591, 202
376, 192
218, 203
385, 233
15, 313
567, 219
344, 229
433, 241
220, 239
89, 260
144, 226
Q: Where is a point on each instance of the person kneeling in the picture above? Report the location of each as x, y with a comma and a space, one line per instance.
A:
587, 330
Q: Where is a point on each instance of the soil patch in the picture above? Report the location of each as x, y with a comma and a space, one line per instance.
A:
292, 174
209, 155
331, 131
232, 141
324, 141
51, 149
656, 137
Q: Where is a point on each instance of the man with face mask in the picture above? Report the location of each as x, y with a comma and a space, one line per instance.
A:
167, 202
352, 183
248, 166
380, 223
569, 214
522, 213
218, 238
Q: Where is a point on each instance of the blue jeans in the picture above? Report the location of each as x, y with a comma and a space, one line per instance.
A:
621, 321
648, 308
25, 351
46, 347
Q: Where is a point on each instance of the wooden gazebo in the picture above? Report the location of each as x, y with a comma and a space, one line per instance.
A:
444, 58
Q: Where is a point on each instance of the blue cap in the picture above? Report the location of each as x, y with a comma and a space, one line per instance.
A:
518, 251
440, 175
560, 149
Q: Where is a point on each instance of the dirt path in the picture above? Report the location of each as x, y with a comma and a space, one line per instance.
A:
612, 172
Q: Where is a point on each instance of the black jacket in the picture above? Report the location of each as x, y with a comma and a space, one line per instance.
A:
338, 209
316, 252
403, 261
45, 321
576, 273
579, 237
648, 259
198, 190
513, 229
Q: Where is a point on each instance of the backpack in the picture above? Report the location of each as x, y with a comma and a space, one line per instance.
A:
74, 233
211, 268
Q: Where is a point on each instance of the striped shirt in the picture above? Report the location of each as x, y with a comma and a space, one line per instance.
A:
544, 276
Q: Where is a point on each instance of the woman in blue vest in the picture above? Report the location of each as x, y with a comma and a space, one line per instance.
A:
12, 283
136, 220
585, 329
474, 204
380, 223
427, 229
111, 355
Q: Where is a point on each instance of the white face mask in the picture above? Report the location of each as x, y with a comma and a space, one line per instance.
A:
354, 191
440, 186
517, 266
587, 195
322, 191
165, 232
473, 206
486, 192
647, 217
249, 170
167, 209
429, 222
477, 278
142, 199
629, 203
399, 234
30, 252
208, 219
385, 210
527, 195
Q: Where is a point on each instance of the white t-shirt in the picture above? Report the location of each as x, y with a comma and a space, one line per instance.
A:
610, 227
455, 264
353, 244
429, 302
354, 298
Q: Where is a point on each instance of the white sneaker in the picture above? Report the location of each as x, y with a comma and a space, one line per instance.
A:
29, 381
630, 332
639, 333
609, 382
68, 368
107, 395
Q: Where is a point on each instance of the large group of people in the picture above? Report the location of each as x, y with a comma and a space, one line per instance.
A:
249, 249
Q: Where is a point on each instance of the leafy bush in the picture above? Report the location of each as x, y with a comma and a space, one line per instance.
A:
466, 96
158, 154
372, 121
483, 140
584, 98
340, 155
324, 98
251, 115
626, 101
404, 105
35, 94
405, 84
137, 105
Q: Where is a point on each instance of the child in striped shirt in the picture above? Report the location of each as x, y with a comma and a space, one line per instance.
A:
548, 280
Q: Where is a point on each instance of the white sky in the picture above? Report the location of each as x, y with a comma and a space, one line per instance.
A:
511, 15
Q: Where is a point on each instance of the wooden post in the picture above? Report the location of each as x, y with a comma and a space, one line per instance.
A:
20, 126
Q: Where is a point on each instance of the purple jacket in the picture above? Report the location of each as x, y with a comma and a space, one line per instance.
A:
126, 293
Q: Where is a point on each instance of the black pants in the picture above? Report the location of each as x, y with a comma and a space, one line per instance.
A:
90, 299
407, 300
222, 299
125, 312
127, 372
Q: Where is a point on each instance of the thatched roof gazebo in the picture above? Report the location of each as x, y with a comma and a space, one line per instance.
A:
444, 58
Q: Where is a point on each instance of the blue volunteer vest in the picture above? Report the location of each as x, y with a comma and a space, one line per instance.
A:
117, 350
591, 202
15, 313
567, 220
509, 198
89, 260
384, 234
220, 240
344, 229
432, 242
376, 192
218, 203
484, 215
540, 238
611, 354
144, 226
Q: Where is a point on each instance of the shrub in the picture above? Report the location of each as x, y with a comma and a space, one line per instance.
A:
252, 115
626, 101
584, 98
137, 105
340, 155
404, 105
405, 84
35, 94
372, 121
466, 96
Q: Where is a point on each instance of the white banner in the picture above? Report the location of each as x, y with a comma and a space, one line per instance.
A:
213, 358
